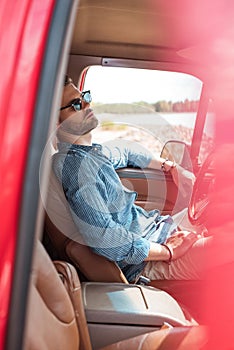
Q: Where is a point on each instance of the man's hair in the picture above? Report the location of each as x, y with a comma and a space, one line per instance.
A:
67, 80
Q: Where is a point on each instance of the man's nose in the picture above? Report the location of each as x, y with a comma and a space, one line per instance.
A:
85, 104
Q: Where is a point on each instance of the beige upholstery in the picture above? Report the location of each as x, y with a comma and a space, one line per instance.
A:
95, 267
51, 322
180, 338
71, 281
60, 228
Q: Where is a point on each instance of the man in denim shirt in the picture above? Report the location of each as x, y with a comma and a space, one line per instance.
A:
103, 210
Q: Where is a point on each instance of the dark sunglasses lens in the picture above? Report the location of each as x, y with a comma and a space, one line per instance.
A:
86, 96
77, 105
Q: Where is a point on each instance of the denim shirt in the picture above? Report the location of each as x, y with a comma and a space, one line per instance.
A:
103, 209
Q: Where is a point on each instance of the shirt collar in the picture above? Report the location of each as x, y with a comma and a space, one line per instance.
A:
71, 146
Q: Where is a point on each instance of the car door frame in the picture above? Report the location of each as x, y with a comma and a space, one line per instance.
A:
49, 23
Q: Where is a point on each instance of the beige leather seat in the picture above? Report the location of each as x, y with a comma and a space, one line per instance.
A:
71, 282
51, 322
180, 338
56, 318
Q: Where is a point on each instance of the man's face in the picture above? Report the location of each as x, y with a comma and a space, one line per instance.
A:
72, 121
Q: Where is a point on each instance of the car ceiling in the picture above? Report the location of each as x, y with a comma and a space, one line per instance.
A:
158, 30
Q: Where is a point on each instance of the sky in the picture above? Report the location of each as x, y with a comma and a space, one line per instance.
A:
128, 85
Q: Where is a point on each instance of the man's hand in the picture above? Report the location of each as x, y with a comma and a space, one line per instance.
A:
180, 242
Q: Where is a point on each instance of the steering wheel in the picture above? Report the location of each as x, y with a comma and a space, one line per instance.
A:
200, 201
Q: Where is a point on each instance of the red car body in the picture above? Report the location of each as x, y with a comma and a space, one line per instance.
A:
24, 30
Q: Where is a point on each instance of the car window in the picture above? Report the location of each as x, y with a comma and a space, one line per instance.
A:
146, 106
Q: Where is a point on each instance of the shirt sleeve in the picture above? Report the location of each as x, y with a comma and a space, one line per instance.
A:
96, 220
124, 153
104, 235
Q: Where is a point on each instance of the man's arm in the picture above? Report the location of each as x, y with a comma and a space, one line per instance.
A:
175, 247
161, 164
181, 177
123, 153
158, 252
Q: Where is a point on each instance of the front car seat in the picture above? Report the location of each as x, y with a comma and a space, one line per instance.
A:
51, 322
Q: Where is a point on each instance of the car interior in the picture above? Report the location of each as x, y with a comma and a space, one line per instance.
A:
56, 316
81, 300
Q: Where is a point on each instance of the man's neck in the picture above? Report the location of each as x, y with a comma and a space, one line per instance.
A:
84, 140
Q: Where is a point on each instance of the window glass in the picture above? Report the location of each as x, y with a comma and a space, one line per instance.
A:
207, 143
146, 106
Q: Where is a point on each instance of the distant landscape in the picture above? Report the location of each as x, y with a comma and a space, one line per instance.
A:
140, 107
149, 128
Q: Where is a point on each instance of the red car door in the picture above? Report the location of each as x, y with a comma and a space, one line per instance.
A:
33, 36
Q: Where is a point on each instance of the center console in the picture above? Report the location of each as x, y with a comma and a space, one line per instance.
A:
119, 311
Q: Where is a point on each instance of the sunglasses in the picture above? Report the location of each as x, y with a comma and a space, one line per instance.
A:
77, 103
